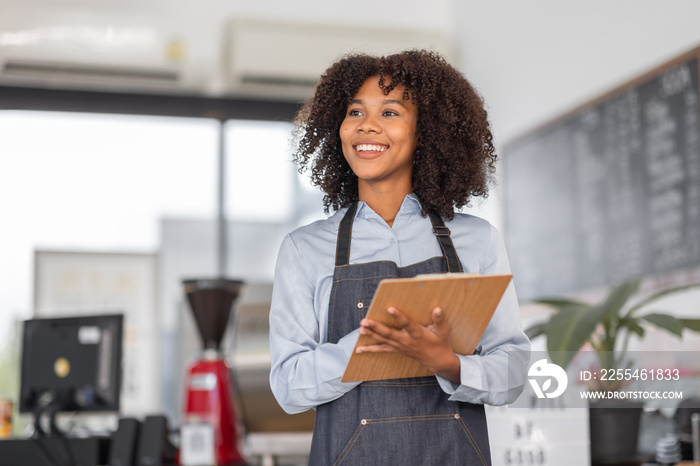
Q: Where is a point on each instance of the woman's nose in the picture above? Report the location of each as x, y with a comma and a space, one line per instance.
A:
369, 124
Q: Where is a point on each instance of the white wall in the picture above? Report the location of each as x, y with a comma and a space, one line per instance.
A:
536, 59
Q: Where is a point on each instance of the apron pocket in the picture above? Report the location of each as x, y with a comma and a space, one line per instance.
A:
438, 439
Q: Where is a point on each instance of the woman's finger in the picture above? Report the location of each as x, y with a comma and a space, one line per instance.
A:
375, 327
383, 341
439, 325
405, 323
378, 348
398, 316
379, 332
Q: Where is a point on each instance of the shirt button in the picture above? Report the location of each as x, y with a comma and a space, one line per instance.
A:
393, 241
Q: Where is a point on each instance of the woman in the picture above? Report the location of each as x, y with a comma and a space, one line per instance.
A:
396, 143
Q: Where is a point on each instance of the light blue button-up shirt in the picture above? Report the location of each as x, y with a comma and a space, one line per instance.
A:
306, 368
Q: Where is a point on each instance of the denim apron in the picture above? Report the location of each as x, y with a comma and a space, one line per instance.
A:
406, 421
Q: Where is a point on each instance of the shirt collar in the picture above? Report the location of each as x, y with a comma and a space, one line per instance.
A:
410, 205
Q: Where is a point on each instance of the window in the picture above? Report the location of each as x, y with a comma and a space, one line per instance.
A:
71, 181
106, 183
260, 174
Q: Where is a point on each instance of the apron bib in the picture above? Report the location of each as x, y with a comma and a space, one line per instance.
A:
406, 421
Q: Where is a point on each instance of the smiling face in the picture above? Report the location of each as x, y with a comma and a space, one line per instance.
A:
379, 137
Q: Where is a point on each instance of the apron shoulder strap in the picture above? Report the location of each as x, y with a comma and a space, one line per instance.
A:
448, 249
342, 249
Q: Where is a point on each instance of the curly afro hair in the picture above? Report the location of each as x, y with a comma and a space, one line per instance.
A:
455, 157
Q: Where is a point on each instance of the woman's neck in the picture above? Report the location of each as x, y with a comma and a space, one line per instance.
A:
385, 203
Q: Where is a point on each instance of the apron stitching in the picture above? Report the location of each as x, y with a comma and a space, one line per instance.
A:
361, 310
360, 279
332, 311
459, 262
428, 417
444, 253
422, 417
448, 258
391, 262
400, 384
348, 447
337, 249
470, 437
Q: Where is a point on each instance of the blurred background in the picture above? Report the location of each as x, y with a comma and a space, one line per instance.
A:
147, 142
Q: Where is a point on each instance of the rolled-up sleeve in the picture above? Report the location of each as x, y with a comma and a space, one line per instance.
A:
305, 372
495, 376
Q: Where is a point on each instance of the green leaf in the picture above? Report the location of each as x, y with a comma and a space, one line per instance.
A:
536, 330
619, 296
660, 294
666, 322
559, 303
691, 324
632, 324
569, 329
610, 326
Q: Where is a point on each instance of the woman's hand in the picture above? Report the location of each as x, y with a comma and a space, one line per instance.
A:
428, 344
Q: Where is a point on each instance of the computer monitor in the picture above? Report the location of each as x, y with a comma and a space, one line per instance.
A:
71, 364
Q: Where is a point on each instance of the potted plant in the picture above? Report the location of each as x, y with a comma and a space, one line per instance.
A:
606, 327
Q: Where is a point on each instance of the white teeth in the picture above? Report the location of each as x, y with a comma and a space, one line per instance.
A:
370, 147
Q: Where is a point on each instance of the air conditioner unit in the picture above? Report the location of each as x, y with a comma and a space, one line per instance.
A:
285, 60
254, 58
90, 57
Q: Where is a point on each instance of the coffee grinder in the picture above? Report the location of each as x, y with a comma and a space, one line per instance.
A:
211, 432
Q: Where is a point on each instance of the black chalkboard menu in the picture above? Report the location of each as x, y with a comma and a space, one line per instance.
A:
610, 190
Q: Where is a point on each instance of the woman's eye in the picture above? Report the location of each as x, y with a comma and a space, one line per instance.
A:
354, 113
390, 113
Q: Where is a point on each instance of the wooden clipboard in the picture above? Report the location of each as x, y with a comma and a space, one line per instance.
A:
468, 302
